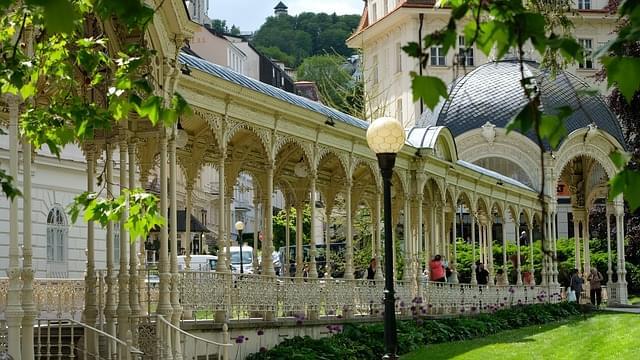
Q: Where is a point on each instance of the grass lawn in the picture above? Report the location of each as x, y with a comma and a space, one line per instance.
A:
603, 336
634, 299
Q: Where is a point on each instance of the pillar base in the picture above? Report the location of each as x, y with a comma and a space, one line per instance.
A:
618, 294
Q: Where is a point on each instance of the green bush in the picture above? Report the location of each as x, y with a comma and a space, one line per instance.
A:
357, 341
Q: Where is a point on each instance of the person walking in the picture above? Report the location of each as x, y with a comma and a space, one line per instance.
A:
595, 285
482, 275
436, 269
371, 270
576, 284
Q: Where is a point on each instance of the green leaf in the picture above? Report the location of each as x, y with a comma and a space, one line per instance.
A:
624, 72
626, 182
552, 127
8, 186
429, 88
412, 49
526, 118
60, 16
620, 159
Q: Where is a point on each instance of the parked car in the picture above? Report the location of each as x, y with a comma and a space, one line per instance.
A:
198, 262
246, 261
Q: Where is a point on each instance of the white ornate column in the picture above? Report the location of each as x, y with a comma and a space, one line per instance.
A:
164, 300
299, 233
504, 244
489, 253
313, 266
609, 262
454, 259
554, 238
13, 311
327, 241
124, 309
421, 179
134, 282
576, 235
585, 249
267, 245
481, 238
516, 224
377, 235
28, 305
622, 271
348, 267
188, 238
286, 260
545, 274
256, 225
531, 250
474, 280
222, 266
173, 238
90, 306
110, 309
407, 274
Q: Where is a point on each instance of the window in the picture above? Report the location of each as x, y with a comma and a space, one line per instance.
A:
399, 110
465, 55
374, 12
587, 62
57, 232
437, 56
584, 4
385, 6
398, 57
374, 72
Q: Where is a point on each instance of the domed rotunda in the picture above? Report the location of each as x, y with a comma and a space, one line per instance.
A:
484, 101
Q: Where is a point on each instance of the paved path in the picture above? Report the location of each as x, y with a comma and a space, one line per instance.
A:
633, 310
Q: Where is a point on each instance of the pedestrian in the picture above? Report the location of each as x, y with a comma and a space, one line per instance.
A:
436, 268
482, 275
523, 238
595, 285
576, 284
371, 270
501, 278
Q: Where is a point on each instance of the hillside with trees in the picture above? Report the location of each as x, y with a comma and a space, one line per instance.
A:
293, 38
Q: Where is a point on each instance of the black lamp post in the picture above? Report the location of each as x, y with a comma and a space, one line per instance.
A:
386, 137
240, 227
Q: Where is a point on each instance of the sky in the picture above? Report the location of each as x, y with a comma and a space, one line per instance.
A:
250, 14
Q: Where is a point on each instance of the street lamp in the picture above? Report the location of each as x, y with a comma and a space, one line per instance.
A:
386, 137
240, 227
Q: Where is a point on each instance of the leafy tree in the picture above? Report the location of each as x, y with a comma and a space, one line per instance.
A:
221, 27
628, 113
306, 34
335, 84
54, 53
280, 226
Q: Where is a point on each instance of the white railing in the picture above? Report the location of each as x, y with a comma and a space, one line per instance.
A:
68, 338
256, 296
193, 347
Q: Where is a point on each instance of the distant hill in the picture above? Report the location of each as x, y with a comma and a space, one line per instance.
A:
293, 38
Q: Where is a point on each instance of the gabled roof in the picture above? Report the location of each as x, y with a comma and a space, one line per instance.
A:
255, 85
281, 6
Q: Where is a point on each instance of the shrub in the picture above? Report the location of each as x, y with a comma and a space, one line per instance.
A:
358, 341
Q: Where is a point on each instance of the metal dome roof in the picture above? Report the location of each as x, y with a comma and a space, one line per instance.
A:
492, 93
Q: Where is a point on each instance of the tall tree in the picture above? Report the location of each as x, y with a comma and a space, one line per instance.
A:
306, 34
333, 78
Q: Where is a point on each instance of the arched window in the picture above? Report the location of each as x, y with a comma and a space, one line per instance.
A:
57, 232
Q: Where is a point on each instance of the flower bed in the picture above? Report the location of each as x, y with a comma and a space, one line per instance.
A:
366, 341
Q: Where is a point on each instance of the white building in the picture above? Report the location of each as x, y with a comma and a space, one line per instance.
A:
387, 25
